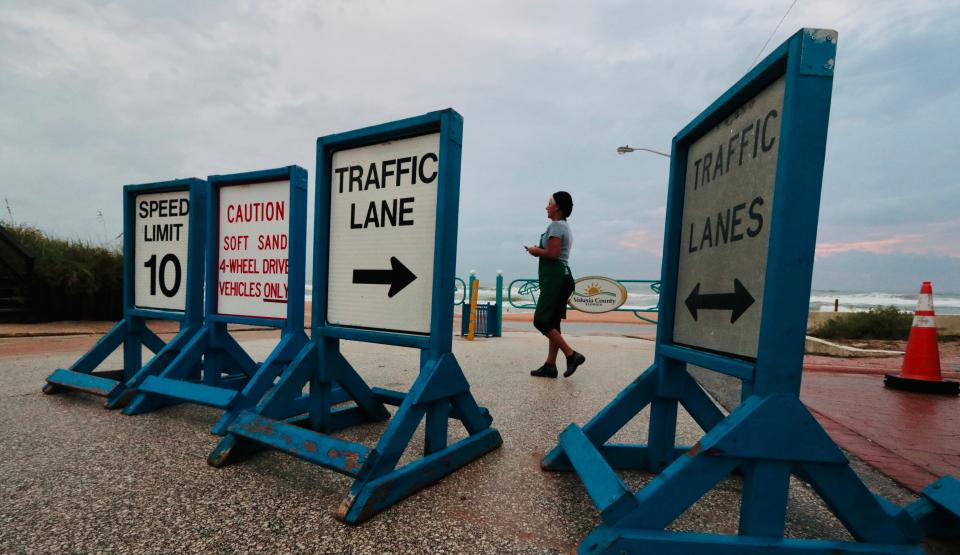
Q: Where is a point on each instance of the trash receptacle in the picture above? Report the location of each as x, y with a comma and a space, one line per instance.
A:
486, 320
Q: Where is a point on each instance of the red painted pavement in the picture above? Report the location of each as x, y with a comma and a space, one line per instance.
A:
949, 364
911, 437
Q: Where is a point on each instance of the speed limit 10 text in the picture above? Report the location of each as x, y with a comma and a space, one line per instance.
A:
169, 208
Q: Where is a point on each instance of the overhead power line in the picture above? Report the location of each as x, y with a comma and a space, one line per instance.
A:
762, 48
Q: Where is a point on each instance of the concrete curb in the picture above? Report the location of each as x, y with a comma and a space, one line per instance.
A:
81, 332
817, 346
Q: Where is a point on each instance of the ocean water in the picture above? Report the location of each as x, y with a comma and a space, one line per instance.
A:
639, 296
850, 301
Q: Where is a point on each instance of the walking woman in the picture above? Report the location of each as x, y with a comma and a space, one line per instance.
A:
556, 285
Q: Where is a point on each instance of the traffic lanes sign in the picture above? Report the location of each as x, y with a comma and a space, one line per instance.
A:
725, 230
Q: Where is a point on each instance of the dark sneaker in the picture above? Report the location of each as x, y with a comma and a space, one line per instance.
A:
545, 371
573, 361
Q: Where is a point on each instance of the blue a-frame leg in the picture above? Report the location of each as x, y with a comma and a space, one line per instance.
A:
132, 331
299, 424
231, 380
767, 438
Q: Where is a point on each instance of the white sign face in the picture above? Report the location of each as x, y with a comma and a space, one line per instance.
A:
596, 295
253, 252
161, 224
383, 206
728, 200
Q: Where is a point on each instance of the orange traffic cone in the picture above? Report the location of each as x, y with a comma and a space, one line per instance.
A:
921, 364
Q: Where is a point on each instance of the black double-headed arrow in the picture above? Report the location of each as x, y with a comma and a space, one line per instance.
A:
397, 277
738, 301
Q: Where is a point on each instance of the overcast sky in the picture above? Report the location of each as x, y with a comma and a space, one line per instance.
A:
95, 95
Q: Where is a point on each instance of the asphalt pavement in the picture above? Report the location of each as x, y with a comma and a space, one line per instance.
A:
77, 478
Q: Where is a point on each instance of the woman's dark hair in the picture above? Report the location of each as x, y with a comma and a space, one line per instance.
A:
564, 201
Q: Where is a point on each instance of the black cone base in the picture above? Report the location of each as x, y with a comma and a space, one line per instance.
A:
943, 387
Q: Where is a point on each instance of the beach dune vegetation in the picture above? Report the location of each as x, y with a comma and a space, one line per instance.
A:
72, 279
886, 322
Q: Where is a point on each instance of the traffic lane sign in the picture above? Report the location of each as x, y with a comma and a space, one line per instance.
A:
725, 229
383, 208
162, 231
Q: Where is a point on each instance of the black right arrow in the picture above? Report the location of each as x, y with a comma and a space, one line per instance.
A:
397, 277
738, 301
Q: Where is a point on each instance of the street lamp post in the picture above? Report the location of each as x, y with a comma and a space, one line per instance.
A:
627, 148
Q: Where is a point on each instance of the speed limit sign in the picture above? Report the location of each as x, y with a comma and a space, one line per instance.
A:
160, 250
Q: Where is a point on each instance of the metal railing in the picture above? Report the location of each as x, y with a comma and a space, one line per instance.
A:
459, 285
529, 288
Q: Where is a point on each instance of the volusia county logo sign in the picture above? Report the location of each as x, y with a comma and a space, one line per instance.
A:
596, 294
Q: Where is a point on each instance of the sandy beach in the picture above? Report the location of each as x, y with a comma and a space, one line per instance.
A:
515, 315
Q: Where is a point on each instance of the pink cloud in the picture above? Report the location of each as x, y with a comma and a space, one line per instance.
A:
643, 241
913, 244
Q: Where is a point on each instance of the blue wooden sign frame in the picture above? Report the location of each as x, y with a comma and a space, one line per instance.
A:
132, 331
232, 380
771, 435
300, 425
439, 341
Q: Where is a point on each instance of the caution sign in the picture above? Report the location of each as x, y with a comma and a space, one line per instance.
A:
253, 243
383, 205
160, 250
728, 197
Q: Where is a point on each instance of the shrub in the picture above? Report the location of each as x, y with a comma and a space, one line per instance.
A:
878, 323
72, 280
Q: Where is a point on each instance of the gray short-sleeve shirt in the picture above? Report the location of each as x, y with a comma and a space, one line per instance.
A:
561, 229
